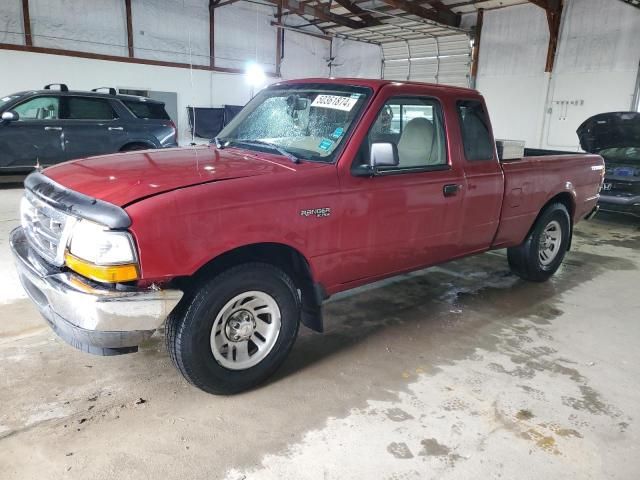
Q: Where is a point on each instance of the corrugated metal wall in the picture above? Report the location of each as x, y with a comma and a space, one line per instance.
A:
429, 59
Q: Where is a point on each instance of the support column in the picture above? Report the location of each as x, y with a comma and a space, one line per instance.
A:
26, 21
127, 5
475, 54
212, 33
554, 14
279, 38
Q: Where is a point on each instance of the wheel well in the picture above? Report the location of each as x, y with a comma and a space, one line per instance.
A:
282, 256
136, 146
566, 199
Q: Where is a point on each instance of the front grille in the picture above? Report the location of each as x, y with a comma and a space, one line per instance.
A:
627, 187
46, 227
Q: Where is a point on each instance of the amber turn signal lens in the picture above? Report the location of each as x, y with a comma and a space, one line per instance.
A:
102, 273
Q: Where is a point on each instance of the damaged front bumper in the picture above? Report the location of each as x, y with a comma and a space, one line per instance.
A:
94, 319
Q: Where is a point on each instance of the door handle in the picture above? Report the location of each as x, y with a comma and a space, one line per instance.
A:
450, 190
53, 128
115, 128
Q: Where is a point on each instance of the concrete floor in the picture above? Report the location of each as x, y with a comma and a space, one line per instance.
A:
461, 371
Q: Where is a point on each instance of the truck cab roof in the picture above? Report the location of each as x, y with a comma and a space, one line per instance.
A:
377, 84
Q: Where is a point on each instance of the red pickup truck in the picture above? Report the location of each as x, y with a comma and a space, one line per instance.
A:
317, 186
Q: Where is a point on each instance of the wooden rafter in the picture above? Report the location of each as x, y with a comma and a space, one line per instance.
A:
320, 12
444, 16
553, 20
553, 10
433, 10
475, 54
213, 4
366, 17
553, 5
438, 5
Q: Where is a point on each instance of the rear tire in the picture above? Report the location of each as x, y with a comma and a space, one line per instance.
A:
542, 252
235, 330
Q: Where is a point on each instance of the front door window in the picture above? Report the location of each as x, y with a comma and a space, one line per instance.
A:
39, 108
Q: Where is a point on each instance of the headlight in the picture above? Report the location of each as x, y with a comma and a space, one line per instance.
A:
101, 254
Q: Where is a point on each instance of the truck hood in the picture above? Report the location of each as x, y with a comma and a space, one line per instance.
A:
124, 178
610, 130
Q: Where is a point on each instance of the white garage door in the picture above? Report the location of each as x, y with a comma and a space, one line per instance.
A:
443, 59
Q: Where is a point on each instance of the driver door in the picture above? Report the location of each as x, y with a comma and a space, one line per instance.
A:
36, 137
409, 215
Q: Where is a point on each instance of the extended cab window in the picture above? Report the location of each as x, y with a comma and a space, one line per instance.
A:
81, 108
415, 126
39, 108
476, 134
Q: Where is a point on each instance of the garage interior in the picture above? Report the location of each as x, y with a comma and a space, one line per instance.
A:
457, 371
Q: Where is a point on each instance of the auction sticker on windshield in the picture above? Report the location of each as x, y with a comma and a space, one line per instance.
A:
335, 102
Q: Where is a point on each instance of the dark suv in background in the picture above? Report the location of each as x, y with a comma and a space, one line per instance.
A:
44, 127
616, 137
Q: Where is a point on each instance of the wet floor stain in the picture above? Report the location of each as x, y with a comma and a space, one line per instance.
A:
433, 448
399, 450
454, 404
561, 431
591, 401
534, 393
524, 415
397, 415
544, 442
613, 239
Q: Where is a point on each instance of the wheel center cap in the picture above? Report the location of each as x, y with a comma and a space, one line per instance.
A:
240, 326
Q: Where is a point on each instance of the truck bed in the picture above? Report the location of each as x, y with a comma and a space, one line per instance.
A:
542, 152
532, 181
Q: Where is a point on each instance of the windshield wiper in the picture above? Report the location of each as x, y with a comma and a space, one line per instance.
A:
261, 143
220, 143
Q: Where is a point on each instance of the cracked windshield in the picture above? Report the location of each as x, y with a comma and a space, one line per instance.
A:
303, 123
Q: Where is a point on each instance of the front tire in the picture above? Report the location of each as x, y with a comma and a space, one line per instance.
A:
542, 252
236, 329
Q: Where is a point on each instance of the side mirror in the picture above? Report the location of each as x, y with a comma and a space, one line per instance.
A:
383, 155
9, 117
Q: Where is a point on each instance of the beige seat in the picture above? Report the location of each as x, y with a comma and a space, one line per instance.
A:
416, 145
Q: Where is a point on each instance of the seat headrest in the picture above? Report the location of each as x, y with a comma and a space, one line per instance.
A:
416, 143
